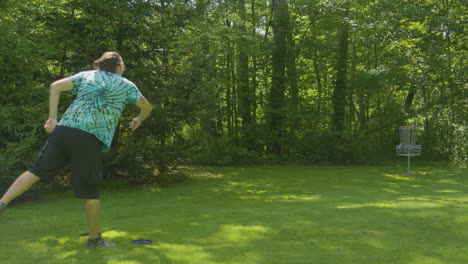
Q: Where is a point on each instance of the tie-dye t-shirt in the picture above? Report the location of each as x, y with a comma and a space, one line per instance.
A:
100, 99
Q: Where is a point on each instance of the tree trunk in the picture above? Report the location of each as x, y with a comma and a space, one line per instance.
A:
243, 89
254, 70
292, 70
318, 77
339, 93
278, 89
409, 98
229, 89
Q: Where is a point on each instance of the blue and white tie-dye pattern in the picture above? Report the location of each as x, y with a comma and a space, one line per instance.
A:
100, 99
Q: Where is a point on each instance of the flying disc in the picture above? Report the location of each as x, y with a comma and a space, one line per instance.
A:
142, 242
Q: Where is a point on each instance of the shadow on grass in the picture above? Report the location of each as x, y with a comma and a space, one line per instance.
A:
53, 249
344, 215
282, 215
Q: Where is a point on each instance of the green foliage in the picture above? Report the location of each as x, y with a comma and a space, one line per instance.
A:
406, 65
23, 97
19, 137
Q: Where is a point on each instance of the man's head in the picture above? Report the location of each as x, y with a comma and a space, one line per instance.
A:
110, 61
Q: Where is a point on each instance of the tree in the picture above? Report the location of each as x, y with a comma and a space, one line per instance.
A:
245, 95
339, 92
278, 85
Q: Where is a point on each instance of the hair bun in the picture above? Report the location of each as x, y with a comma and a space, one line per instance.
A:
108, 62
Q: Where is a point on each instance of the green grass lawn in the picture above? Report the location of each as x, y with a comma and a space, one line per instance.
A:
258, 215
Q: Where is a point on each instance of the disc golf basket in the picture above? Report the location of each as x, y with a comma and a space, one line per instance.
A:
407, 146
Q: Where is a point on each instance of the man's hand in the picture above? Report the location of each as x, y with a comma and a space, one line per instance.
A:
136, 122
145, 110
50, 125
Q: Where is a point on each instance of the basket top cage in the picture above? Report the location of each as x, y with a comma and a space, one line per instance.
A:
408, 135
408, 138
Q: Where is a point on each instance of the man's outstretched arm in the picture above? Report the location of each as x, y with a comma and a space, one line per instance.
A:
145, 110
54, 96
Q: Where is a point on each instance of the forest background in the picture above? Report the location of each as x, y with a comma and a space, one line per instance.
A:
244, 82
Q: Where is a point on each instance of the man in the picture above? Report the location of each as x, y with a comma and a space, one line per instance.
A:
85, 130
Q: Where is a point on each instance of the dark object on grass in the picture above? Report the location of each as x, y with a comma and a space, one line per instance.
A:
87, 234
142, 242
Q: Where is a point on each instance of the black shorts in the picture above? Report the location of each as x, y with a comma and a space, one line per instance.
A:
79, 148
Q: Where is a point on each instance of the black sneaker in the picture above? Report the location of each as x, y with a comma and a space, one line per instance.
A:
2, 207
98, 242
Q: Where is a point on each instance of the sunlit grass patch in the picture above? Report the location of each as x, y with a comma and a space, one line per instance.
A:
258, 215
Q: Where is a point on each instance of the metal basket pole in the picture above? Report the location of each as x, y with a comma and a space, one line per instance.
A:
409, 161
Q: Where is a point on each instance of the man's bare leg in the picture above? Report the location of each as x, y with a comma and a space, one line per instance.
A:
19, 186
92, 209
